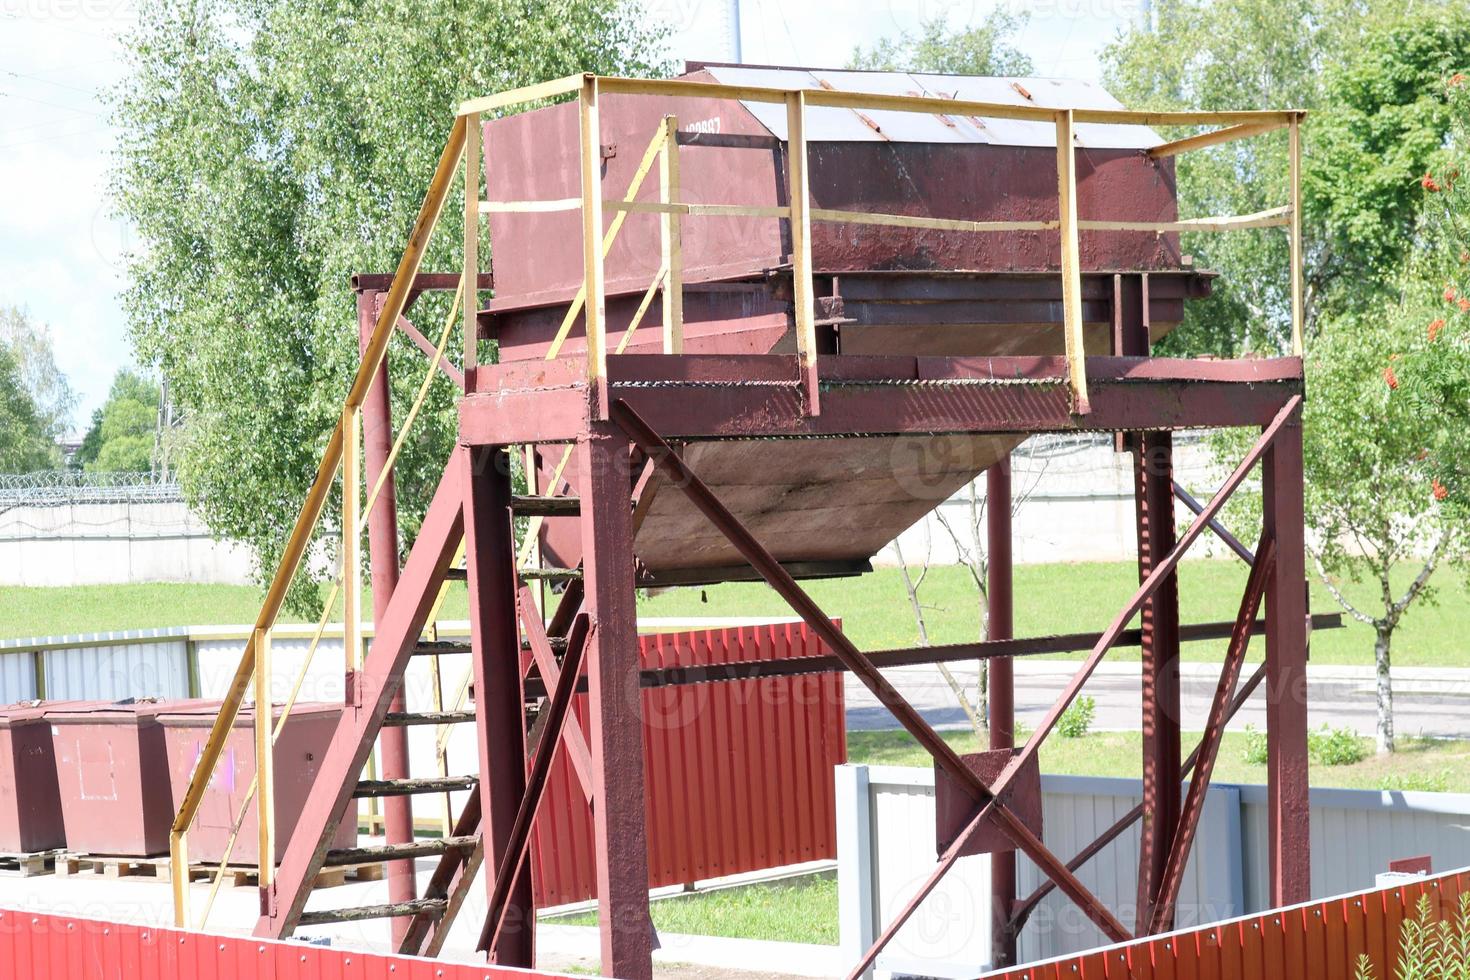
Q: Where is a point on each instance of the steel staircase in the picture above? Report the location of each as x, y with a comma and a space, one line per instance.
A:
543, 648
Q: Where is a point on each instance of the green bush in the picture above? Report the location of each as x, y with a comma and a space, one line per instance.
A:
1255, 746
1077, 719
1336, 747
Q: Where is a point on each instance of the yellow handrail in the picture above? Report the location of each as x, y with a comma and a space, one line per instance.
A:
310, 514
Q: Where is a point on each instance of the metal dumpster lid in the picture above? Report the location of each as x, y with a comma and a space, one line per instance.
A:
126, 711
201, 712
876, 125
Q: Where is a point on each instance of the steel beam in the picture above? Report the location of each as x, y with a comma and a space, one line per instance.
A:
1109, 637
1286, 665
1209, 745
512, 873
616, 730
381, 676
545, 661
1032, 646
986, 797
879, 396
1154, 499
495, 658
1000, 689
377, 430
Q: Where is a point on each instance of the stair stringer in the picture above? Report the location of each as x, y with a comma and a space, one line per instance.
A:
357, 730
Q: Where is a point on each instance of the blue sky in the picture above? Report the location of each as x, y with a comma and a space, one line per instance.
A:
59, 248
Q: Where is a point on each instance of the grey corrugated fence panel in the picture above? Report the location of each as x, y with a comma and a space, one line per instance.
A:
17, 678
1355, 833
112, 671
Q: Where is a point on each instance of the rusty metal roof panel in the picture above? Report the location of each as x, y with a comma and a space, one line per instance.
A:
826, 124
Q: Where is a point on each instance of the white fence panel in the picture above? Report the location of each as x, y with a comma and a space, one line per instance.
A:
1355, 833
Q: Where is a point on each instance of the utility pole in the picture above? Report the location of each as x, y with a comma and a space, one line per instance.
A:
736, 54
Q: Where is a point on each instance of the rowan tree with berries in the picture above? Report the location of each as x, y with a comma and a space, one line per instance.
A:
1387, 417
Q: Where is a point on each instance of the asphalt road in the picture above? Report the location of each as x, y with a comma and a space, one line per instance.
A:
1429, 702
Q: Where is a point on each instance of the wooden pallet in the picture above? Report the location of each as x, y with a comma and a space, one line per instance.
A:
70, 863
248, 875
26, 864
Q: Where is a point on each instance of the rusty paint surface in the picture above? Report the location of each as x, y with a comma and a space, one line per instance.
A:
728, 157
30, 800
112, 770
953, 807
739, 774
298, 757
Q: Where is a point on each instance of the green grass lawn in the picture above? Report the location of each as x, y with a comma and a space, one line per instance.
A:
1420, 764
1057, 598
795, 910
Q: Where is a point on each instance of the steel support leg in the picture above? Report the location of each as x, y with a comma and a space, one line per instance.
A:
1154, 494
616, 729
1001, 691
377, 426
500, 726
1286, 670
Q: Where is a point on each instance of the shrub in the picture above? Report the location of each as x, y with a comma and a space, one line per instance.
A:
1077, 719
1336, 746
1255, 746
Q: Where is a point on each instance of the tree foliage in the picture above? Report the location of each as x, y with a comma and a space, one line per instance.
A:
25, 446
985, 49
1368, 71
270, 150
32, 349
124, 430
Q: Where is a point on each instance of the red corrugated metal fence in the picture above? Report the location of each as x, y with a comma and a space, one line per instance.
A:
739, 773
1316, 941
37, 945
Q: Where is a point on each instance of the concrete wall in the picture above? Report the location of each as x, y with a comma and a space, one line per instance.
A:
1075, 497
104, 542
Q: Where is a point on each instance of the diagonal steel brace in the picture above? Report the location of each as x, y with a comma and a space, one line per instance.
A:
779, 579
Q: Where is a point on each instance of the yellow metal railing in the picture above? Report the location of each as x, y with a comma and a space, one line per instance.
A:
590, 88
343, 451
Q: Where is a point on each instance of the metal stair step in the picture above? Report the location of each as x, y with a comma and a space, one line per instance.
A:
430, 906
551, 574
409, 787
394, 852
445, 648
528, 574
529, 506
402, 719
439, 648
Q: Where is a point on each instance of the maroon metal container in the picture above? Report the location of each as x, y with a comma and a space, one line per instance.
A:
30, 800
298, 755
113, 776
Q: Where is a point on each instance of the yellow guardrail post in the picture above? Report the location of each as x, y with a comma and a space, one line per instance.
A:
671, 240
265, 785
799, 193
311, 511
595, 308
1072, 333
1298, 316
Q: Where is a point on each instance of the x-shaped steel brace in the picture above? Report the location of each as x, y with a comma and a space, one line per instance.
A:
987, 798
